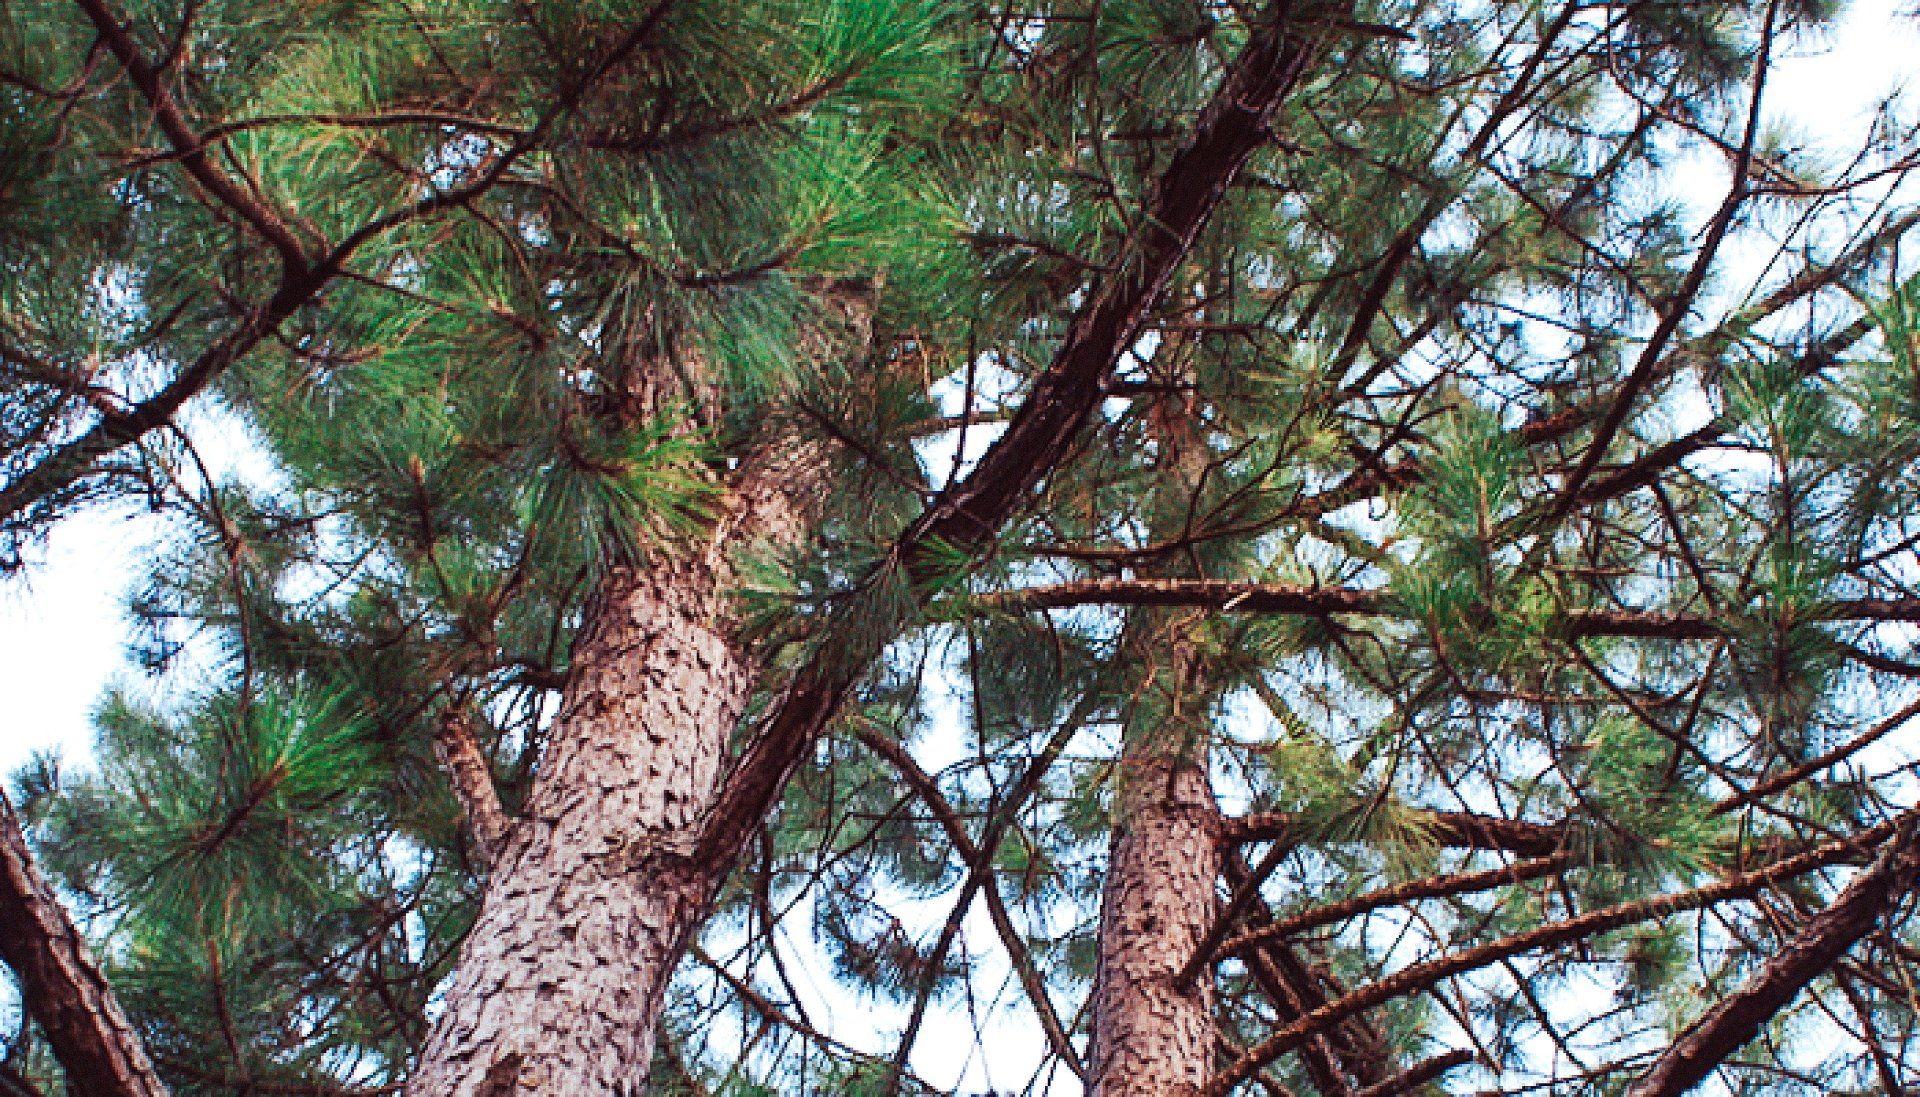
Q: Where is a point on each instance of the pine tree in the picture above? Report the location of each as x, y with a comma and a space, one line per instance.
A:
1425, 602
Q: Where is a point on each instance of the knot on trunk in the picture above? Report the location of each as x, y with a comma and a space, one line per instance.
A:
503, 1077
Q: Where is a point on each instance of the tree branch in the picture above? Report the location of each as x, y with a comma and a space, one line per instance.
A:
1231, 596
1823, 941
965, 848
471, 778
61, 985
1432, 887
1233, 125
1417, 977
1418, 1074
1455, 829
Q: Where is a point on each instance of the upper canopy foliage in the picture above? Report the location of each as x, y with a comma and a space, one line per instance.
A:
1551, 453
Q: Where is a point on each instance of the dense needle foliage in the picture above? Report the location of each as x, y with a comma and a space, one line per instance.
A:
1521, 471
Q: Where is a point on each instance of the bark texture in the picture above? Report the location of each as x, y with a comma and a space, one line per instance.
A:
1153, 1027
1151, 1035
60, 985
597, 891
487, 823
626, 835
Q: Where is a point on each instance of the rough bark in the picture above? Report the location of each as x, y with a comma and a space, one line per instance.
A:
597, 892
60, 985
487, 823
1153, 1031
1152, 1035
1812, 952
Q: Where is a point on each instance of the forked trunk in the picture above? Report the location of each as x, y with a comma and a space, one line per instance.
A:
596, 892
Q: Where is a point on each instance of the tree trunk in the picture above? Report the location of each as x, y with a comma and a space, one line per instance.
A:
1152, 1036
596, 892
627, 834
1153, 1030
60, 985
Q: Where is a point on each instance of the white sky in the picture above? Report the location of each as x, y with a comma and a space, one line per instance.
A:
63, 631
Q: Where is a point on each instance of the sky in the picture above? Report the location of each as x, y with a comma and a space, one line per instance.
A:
64, 631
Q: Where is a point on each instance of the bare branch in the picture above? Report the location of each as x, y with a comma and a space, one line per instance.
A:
1417, 977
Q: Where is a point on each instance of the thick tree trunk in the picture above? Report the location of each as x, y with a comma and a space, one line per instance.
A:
1152, 1036
626, 836
597, 892
60, 984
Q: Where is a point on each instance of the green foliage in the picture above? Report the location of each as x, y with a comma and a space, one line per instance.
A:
617, 268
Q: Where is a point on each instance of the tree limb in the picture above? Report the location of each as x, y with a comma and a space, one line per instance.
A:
1417, 977
1063, 399
1813, 951
471, 778
61, 985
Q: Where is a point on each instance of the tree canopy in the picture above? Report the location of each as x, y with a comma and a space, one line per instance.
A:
1311, 547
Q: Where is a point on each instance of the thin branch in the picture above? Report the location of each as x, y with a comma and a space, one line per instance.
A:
1230, 596
1453, 829
929, 792
1417, 977
1419, 1074
1432, 887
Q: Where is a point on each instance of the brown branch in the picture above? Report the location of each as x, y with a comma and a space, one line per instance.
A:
1676, 308
968, 851
1230, 596
1788, 778
1419, 1074
1453, 829
471, 778
1296, 989
189, 145
1815, 949
1417, 977
1373, 481
766, 1008
301, 278
1432, 887
61, 985
1244, 894
1062, 402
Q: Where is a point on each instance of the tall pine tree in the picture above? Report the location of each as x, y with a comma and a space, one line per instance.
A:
1411, 502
